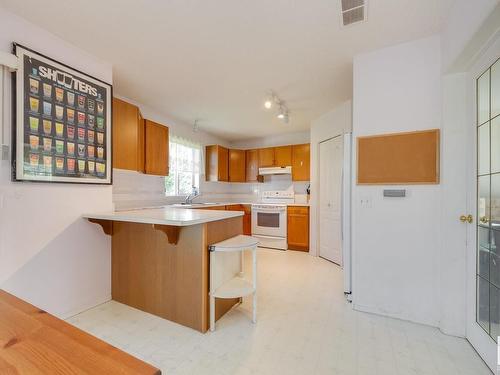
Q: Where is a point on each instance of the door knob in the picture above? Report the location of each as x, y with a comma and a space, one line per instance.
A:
466, 218
484, 220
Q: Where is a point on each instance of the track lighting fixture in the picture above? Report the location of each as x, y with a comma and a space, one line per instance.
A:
273, 99
268, 103
281, 113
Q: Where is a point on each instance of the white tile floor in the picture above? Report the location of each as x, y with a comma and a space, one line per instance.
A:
304, 326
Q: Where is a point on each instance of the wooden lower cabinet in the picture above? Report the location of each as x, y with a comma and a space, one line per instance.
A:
247, 218
298, 228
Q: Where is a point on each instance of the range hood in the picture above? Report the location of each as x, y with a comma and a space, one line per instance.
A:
275, 170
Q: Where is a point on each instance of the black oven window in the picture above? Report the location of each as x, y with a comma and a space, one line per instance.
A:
268, 220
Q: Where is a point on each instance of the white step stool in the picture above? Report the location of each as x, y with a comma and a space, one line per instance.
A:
235, 286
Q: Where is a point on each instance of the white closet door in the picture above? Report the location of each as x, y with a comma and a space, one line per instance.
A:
330, 195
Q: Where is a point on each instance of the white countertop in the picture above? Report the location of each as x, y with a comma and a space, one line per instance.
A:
219, 204
166, 216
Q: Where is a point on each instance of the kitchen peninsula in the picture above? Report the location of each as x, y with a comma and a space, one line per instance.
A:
160, 260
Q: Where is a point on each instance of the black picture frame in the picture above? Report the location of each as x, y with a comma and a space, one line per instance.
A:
78, 108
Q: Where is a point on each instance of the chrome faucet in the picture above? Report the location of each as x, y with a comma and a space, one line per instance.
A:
194, 194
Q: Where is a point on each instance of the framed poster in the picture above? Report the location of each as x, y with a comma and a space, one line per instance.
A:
62, 123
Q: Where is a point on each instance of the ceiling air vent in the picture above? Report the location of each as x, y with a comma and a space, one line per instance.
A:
353, 11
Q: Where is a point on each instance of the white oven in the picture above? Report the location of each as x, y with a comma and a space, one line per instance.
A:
269, 225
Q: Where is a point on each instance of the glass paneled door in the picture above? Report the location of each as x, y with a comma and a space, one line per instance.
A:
488, 201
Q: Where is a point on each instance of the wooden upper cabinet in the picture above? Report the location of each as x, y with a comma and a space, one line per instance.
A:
128, 136
156, 141
237, 166
243, 166
301, 155
141, 146
283, 156
252, 165
275, 156
216, 163
266, 157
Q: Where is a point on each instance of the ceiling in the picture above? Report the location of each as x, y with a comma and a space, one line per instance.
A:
215, 60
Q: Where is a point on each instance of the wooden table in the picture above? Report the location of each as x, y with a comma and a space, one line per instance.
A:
35, 342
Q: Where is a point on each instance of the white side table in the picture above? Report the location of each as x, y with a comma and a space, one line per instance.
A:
238, 285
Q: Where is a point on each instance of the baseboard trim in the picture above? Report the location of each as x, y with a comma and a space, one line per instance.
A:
87, 305
376, 311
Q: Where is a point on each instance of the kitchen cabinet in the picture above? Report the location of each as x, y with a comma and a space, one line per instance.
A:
252, 165
156, 140
266, 157
216, 163
243, 165
128, 137
247, 218
298, 228
280, 156
301, 155
138, 145
283, 156
237, 166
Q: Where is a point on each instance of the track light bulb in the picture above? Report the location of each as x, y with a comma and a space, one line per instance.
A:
268, 104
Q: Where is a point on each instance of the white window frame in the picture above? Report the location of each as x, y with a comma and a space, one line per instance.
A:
196, 175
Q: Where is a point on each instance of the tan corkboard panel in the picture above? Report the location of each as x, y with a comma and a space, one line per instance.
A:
399, 158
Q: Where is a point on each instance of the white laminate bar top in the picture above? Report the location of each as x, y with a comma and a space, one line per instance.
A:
166, 216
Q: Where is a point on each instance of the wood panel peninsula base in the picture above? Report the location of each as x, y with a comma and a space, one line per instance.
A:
163, 269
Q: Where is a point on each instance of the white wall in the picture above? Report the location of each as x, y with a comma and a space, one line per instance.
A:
337, 121
49, 255
273, 140
464, 20
396, 241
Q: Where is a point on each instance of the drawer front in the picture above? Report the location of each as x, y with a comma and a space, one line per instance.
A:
298, 210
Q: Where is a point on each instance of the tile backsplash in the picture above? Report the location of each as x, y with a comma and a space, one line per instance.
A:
132, 189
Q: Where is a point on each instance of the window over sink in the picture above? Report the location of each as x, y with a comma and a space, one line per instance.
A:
185, 166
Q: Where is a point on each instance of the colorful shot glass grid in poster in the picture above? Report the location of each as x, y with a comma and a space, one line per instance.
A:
63, 123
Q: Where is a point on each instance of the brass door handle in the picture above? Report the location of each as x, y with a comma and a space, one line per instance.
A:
484, 220
466, 218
